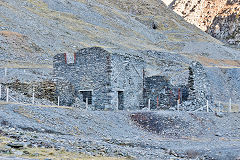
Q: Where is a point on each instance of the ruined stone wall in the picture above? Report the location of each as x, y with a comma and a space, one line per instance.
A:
199, 87
156, 88
89, 72
127, 76
194, 95
162, 93
93, 70
64, 88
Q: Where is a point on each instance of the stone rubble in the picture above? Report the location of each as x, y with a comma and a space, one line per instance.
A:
142, 134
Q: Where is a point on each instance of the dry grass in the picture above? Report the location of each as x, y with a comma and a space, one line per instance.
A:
10, 34
220, 63
121, 36
63, 155
21, 64
124, 37
22, 111
5, 4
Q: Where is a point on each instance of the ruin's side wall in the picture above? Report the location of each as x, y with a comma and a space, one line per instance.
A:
198, 83
65, 90
127, 76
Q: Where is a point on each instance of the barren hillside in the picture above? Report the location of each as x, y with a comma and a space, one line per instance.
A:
32, 31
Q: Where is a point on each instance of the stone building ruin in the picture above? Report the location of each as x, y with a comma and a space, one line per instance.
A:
194, 95
106, 81
110, 81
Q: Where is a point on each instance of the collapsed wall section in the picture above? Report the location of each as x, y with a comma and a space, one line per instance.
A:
157, 91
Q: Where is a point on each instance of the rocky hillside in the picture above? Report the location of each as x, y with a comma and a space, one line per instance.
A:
32, 31
219, 18
226, 25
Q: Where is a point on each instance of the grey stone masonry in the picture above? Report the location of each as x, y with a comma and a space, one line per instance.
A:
162, 94
199, 88
109, 81
156, 89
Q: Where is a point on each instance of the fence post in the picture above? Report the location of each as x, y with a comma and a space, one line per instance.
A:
178, 102
7, 98
33, 96
86, 103
207, 106
117, 106
0, 91
5, 71
149, 104
219, 107
230, 105
58, 101
179, 95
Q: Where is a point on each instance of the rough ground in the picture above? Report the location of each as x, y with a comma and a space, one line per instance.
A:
140, 135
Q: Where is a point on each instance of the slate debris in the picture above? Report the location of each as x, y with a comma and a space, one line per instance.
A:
16, 144
148, 134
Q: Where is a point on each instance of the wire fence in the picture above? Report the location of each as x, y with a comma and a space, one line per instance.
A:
10, 96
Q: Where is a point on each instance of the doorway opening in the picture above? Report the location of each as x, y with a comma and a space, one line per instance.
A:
87, 96
120, 100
